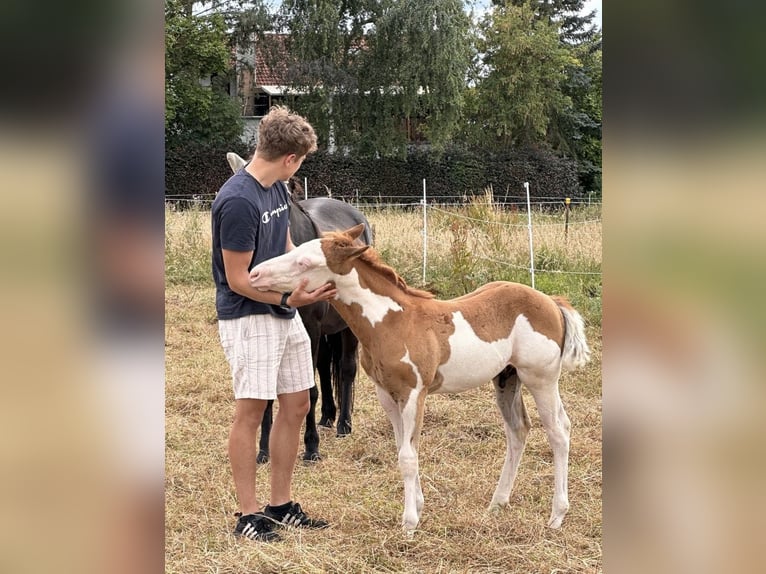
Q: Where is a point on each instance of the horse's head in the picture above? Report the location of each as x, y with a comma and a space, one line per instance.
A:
319, 260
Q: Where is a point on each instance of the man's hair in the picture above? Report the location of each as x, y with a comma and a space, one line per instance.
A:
282, 132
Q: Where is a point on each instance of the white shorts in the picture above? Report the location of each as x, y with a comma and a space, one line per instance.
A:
268, 356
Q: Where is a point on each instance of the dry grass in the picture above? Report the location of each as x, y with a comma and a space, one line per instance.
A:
494, 234
358, 486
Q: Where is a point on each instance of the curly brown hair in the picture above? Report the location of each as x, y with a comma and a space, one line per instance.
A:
283, 132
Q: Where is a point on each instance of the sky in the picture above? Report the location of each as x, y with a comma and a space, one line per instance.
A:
594, 5
482, 5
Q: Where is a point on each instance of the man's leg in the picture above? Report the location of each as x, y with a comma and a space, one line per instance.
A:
243, 450
285, 436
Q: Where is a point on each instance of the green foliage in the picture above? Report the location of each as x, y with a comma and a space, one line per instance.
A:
193, 169
198, 169
520, 90
536, 80
574, 27
196, 47
581, 125
454, 172
364, 68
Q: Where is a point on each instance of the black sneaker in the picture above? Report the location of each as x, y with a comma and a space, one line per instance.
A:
256, 527
293, 515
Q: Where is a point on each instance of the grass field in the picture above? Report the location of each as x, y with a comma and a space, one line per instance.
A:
358, 486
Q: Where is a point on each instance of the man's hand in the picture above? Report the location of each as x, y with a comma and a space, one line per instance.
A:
301, 297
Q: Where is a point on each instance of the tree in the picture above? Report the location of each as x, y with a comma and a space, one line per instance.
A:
363, 68
577, 129
522, 70
197, 48
574, 26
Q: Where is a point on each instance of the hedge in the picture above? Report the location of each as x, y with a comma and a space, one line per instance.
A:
201, 170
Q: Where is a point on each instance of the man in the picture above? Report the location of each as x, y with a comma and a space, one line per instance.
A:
263, 338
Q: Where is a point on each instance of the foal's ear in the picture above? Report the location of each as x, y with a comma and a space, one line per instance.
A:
355, 231
351, 252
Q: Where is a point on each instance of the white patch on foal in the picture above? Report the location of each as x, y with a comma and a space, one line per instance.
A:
374, 306
406, 360
408, 456
472, 361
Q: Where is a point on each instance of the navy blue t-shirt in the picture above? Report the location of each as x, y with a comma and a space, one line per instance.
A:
248, 217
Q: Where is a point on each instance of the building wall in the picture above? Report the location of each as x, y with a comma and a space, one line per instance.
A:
250, 130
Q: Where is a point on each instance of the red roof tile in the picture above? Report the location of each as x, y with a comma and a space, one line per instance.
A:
271, 61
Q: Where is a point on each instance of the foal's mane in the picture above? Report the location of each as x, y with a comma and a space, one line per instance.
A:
372, 258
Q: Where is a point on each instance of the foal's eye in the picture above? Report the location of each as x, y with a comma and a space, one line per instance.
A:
304, 263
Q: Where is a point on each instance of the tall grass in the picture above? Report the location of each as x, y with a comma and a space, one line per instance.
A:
188, 246
480, 242
467, 246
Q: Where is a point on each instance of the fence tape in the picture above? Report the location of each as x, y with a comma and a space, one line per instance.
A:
457, 215
522, 267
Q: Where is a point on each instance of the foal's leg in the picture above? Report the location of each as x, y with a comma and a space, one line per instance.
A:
517, 424
412, 421
392, 410
545, 390
407, 421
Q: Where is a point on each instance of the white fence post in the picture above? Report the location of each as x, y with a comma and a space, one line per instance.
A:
305, 188
529, 226
425, 233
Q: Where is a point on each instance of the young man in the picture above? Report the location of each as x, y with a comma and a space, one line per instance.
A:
262, 336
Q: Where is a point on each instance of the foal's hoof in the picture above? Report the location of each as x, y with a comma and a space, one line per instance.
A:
311, 457
262, 457
325, 422
555, 522
344, 429
496, 507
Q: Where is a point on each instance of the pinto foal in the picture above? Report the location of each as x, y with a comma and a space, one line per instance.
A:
414, 344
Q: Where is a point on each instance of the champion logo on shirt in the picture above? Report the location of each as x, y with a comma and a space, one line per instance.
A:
266, 217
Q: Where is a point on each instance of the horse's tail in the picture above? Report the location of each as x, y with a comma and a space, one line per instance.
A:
576, 351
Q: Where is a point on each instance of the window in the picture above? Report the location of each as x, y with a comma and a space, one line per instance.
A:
261, 104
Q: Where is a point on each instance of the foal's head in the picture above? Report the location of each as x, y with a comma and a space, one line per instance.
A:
319, 260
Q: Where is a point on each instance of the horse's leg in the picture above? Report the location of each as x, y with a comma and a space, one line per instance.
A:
411, 411
263, 443
311, 436
416, 445
392, 410
345, 380
324, 366
407, 422
545, 390
517, 424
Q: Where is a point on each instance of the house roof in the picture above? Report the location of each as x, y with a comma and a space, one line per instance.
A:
271, 61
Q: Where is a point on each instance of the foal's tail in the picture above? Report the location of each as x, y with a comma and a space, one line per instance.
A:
576, 351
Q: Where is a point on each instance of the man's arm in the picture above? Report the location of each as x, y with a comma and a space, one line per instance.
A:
236, 263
